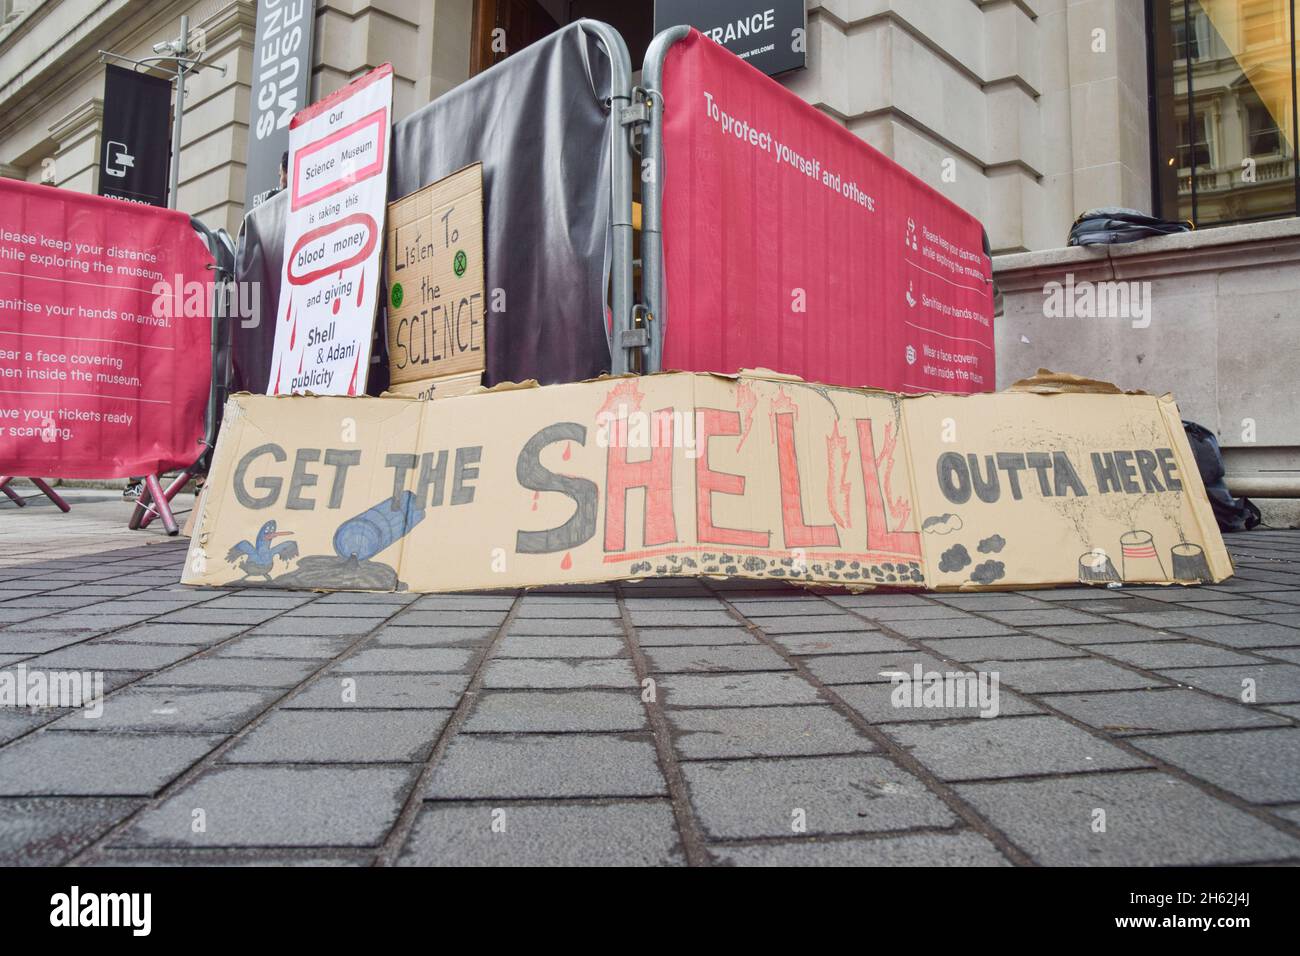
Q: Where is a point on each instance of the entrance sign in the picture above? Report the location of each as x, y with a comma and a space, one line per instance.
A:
769, 35
338, 182
281, 87
135, 157
683, 474
105, 336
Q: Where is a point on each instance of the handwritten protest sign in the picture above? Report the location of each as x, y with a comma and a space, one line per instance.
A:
435, 280
696, 474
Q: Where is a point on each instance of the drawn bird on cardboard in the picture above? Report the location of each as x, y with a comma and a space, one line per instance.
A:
258, 558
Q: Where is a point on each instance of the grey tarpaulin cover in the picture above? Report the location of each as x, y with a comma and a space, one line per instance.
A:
538, 122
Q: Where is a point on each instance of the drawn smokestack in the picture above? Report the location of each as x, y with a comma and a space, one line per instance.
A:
1141, 563
1190, 566
1095, 567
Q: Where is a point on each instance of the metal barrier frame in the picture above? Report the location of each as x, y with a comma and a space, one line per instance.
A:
653, 289
155, 501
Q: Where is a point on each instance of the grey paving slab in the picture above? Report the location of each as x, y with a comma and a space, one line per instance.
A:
341, 736
432, 636
425, 617
380, 692
920, 612
739, 799
1247, 634
560, 627
525, 674
870, 668
549, 647
1127, 712
750, 732
1048, 617
205, 634
113, 657
478, 766
997, 601
1112, 633
641, 833
98, 764
1013, 647
568, 610
1244, 607
1150, 820
1177, 618
286, 646
309, 626
837, 642
1008, 747
1290, 655
693, 636
14, 723
411, 660
667, 604
455, 602
78, 622
682, 618
886, 703
245, 806
552, 711
1172, 654
187, 709
878, 600
812, 624
48, 831
226, 615
42, 643
913, 849
1262, 766
1270, 683
951, 627
765, 607
233, 672
696, 660
1070, 674
735, 690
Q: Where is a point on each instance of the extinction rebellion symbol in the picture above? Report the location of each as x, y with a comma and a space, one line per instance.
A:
397, 295
460, 263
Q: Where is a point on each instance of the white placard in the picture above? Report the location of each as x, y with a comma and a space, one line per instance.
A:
334, 235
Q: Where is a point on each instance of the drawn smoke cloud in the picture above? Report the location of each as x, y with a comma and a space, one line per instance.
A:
992, 544
955, 558
941, 524
986, 572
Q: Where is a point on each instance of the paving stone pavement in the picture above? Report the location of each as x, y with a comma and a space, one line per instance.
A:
660, 723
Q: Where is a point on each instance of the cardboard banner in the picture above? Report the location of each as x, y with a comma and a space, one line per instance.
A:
338, 194
436, 307
135, 154
791, 244
105, 336
692, 474
281, 87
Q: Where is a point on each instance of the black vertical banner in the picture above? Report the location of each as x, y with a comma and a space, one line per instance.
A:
135, 155
281, 87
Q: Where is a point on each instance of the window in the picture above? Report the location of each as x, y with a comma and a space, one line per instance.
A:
1193, 150
1223, 109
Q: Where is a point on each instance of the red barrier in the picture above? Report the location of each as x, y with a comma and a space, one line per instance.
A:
105, 335
791, 244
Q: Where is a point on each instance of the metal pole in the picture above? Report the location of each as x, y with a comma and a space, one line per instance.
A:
653, 291
620, 95
178, 113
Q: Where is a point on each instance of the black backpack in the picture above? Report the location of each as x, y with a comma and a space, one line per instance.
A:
1111, 224
1233, 514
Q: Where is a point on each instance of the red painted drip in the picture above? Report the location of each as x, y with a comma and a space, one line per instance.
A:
293, 336
567, 563
535, 496
361, 288
568, 452
352, 385
277, 377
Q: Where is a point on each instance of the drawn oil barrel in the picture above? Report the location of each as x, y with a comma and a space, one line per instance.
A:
377, 528
1190, 566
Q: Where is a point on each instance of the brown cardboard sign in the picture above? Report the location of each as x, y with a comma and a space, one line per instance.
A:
692, 474
446, 386
436, 305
